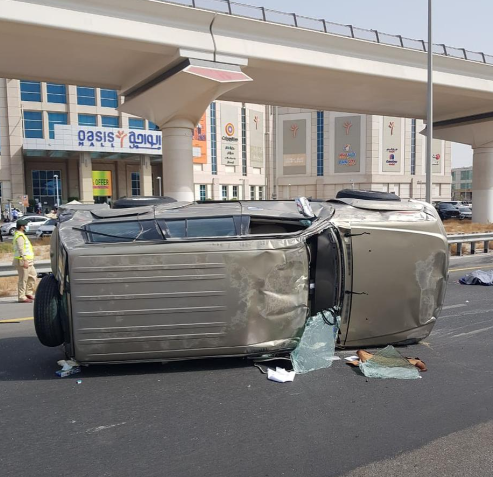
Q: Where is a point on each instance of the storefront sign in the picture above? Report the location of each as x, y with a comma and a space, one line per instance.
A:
436, 154
101, 184
199, 142
347, 143
256, 129
392, 154
294, 148
85, 138
230, 144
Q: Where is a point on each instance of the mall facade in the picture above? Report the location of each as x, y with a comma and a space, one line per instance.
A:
64, 142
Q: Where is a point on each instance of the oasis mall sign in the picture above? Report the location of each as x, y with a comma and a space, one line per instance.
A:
85, 138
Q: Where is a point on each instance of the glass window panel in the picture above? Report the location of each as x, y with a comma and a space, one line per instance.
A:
87, 120
55, 118
124, 231
211, 227
109, 98
30, 91
33, 124
136, 123
110, 121
153, 127
56, 93
86, 96
176, 228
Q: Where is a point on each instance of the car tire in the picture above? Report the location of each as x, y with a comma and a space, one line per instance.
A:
12, 231
366, 195
47, 308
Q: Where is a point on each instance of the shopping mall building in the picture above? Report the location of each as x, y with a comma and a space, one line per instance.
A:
74, 138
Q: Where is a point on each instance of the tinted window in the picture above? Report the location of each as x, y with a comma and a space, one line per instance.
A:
176, 228
447, 206
56, 93
113, 232
217, 227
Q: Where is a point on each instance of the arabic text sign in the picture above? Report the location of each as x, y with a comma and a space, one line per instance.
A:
347, 144
256, 129
101, 183
230, 149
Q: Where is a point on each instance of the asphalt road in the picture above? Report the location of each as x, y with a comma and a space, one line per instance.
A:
224, 418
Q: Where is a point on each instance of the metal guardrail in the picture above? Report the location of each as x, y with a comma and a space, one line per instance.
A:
472, 239
6, 269
324, 26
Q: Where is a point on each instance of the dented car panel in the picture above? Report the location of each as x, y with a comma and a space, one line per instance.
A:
248, 292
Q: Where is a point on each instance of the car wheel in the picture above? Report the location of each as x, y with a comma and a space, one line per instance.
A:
47, 311
12, 231
366, 195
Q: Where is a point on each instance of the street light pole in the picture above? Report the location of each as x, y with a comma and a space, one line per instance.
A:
56, 189
429, 113
159, 185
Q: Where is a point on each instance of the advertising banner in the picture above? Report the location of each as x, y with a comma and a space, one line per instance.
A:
256, 129
347, 143
199, 142
294, 146
392, 154
230, 143
436, 154
101, 184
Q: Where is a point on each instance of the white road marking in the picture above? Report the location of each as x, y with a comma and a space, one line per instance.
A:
475, 332
103, 428
448, 307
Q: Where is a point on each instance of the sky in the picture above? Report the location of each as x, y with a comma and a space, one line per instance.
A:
460, 23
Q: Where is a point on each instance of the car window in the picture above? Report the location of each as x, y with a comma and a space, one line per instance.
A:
204, 227
40, 219
447, 206
50, 222
114, 232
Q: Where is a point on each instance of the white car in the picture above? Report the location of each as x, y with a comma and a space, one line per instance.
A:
35, 221
46, 229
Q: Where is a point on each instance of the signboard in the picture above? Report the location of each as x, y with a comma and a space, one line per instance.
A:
101, 184
199, 142
347, 143
392, 154
256, 129
23, 200
294, 146
86, 138
437, 158
230, 150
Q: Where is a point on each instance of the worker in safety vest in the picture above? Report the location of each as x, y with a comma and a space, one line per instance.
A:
24, 262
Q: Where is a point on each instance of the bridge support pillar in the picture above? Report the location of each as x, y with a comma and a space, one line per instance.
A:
178, 160
482, 184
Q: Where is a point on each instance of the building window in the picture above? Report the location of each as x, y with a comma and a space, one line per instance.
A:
243, 143
413, 147
320, 143
135, 179
55, 118
57, 93
252, 192
465, 175
33, 124
44, 186
153, 126
235, 192
31, 91
87, 120
110, 121
213, 139
109, 98
136, 123
202, 190
261, 193
86, 96
224, 192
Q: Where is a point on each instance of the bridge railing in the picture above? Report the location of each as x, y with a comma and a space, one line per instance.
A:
318, 24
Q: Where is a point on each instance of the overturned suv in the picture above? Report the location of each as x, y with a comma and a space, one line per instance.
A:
188, 280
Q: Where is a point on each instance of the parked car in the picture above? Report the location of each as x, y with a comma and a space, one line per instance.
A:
187, 280
448, 211
46, 229
465, 212
35, 221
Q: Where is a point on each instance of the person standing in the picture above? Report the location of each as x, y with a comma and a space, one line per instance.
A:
24, 263
15, 215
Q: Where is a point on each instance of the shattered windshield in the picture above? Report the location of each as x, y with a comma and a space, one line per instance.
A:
114, 232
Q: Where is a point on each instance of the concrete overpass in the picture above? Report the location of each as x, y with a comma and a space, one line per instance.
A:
171, 61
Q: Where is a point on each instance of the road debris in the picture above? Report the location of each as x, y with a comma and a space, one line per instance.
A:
68, 367
478, 277
387, 363
280, 375
317, 345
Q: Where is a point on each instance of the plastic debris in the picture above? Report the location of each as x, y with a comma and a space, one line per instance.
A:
387, 363
317, 345
68, 367
478, 277
79, 381
280, 375
263, 364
